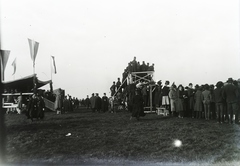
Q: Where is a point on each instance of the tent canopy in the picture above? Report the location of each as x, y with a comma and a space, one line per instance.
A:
24, 84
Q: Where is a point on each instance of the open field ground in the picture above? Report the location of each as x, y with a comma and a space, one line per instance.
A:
86, 138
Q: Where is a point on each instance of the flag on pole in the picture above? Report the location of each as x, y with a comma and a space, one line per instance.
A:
4, 59
14, 66
33, 49
54, 65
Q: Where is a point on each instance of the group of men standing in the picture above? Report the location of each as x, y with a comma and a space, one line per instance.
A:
97, 103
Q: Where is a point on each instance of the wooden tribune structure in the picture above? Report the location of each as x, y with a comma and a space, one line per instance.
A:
147, 77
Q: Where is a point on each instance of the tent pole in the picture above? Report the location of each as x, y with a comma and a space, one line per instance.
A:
2, 124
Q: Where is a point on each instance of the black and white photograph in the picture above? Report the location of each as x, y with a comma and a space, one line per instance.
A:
110, 82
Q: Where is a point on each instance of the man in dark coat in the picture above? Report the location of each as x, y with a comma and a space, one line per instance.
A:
87, 102
231, 93
98, 103
118, 84
93, 102
190, 95
104, 103
41, 107
113, 88
218, 98
137, 106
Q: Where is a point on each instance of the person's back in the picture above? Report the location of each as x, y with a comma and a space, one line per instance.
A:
230, 92
93, 102
98, 102
206, 96
218, 95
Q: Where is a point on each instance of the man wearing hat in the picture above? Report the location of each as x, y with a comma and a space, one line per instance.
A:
231, 93
219, 101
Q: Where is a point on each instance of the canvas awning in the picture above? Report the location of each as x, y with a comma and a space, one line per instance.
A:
24, 84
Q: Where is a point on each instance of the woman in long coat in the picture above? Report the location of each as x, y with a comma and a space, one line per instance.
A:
180, 101
198, 97
173, 95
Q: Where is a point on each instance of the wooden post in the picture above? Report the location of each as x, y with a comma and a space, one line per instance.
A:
150, 97
2, 125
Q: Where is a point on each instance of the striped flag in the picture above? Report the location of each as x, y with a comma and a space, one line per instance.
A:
4, 55
14, 66
54, 65
33, 49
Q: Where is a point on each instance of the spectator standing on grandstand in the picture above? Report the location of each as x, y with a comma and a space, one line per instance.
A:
151, 68
118, 85
138, 66
143, 66
113, 88
180, 101
190, 95
173, 99
98, 103
219, 99
165, 98
134, 64
93, 102
231, 93
104, 103
198, 97
130, 67
87, 102
206, 101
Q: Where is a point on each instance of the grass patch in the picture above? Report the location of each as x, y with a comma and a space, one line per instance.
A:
114, 139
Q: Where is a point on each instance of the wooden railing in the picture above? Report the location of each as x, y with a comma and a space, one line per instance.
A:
49, 104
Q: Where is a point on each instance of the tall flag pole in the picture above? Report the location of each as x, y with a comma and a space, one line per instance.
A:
14, 67
4, 55
53, 69
33, 45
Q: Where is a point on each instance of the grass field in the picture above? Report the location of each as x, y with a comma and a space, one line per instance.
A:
113, 139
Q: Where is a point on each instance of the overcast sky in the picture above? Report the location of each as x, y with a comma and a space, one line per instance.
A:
93, 40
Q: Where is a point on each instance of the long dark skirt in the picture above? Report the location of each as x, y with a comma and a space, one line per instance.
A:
138, 111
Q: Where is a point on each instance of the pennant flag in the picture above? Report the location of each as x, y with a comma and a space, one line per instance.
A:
33, 49
4, 59
14, 66
54, 65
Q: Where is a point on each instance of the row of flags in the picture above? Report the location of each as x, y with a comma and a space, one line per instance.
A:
4, 55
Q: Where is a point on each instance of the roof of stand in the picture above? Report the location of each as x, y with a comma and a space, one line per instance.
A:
24, 84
